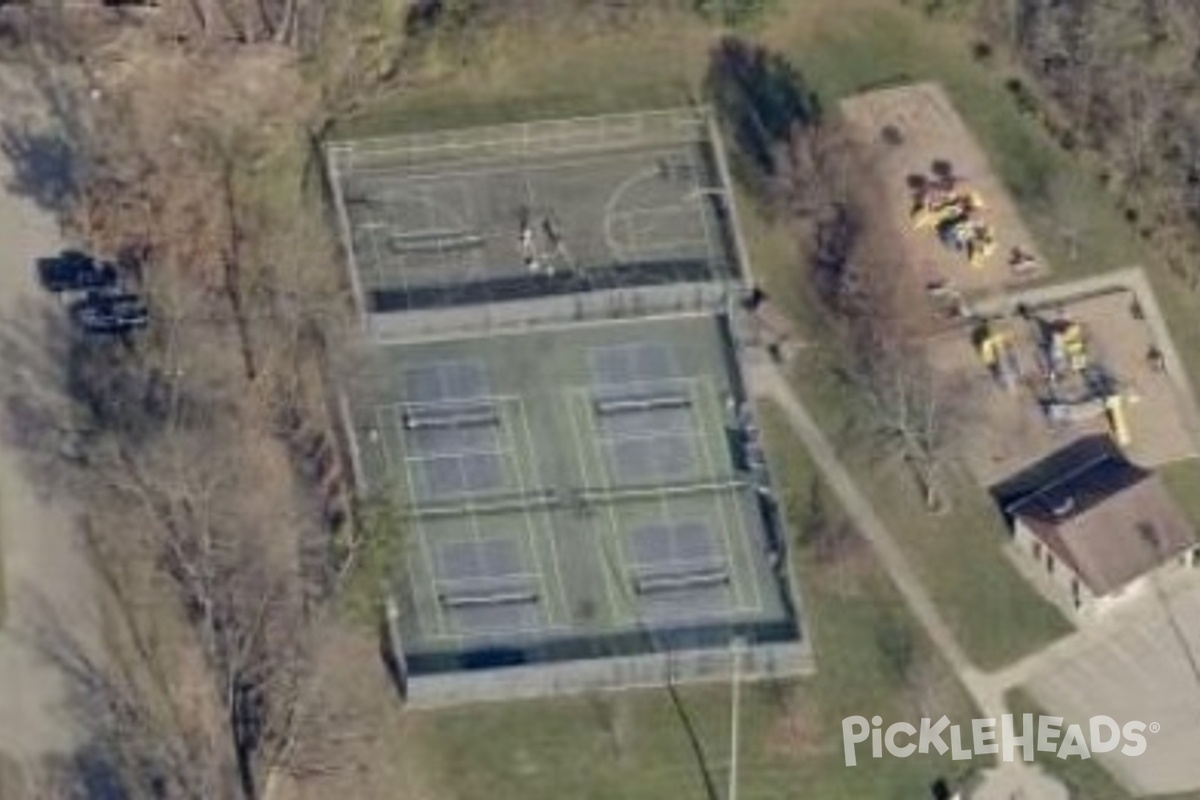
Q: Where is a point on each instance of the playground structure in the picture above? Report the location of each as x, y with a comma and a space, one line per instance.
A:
954, 212
933, 182
1078, 387
995, 344
1070, 383
1030, 375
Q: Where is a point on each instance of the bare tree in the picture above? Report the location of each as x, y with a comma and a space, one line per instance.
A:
909, 415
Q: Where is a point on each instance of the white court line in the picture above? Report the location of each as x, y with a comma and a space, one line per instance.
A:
722, 511
684, 382
634, 436
611, 159
676, 564
455, 583
524, 630
529, 532
655, 211
547, 527
409, 338
430, 219
419, 141
450, 404
422, 541
608, 465
610, 205
347, 231
440, 369
610, 589
388, 460
444, 454
743, 533
652, 245
710, 248
376, 256
471, 218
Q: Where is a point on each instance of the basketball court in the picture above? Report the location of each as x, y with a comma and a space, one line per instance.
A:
518, 211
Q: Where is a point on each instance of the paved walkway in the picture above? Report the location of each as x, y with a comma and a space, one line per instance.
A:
44, 572
987, 690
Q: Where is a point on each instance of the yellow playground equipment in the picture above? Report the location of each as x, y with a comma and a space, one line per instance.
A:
1114, 407
1067, 347
935, 206
970, 236
998, 353
953, 213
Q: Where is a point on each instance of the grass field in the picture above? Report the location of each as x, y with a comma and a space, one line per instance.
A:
1183, 482
995, 614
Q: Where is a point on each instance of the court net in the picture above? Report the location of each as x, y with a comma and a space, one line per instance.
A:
476, 599
630, 405
579, 499
495, 591
482, 417
665, 580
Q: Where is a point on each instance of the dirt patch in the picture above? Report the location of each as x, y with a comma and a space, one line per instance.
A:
913, 133
361, 743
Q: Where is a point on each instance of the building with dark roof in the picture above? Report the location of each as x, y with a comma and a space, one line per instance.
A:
1096, 526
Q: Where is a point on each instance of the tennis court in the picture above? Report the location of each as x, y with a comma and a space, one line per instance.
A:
532, 209
575, 489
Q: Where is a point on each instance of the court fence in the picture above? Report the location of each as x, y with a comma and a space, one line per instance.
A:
761, 661
548, 312
521, 140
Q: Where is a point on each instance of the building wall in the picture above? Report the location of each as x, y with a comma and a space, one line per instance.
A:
1054, 577
1062, 586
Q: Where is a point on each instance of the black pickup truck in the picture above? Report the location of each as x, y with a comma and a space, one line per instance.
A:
106, 312
75, 271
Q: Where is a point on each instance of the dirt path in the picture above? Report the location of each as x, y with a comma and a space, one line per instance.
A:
43, 568
986, 689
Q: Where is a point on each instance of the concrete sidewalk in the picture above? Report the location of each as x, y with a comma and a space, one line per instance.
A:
987, 690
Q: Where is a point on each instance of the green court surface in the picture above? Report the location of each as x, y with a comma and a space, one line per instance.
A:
581, 484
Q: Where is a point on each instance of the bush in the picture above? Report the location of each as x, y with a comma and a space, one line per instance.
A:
762, 101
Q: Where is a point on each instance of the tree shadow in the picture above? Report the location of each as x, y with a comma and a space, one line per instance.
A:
39, 428
43, 162
763, 102
694, 741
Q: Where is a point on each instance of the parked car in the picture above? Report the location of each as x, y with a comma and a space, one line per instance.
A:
75, 271
103, 312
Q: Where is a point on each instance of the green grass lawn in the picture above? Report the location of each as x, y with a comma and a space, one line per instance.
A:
529, 72
872, 660
1183, 482
995, 614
